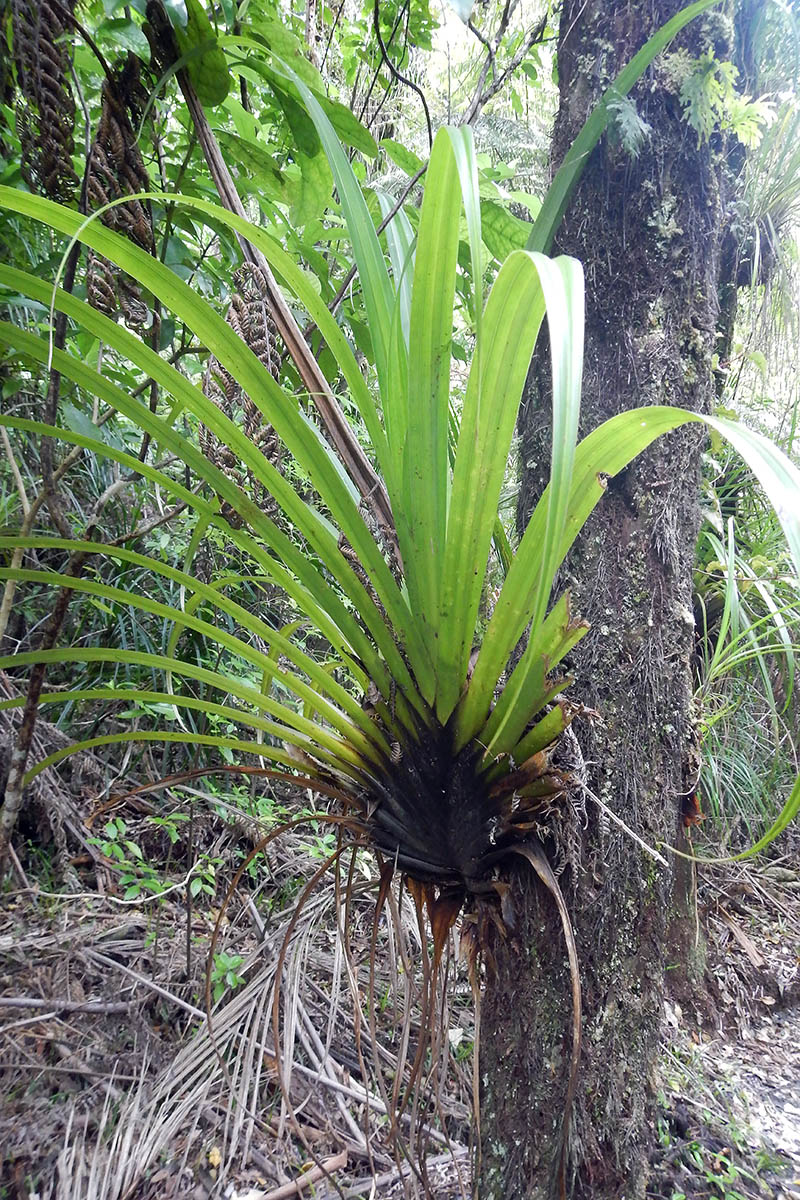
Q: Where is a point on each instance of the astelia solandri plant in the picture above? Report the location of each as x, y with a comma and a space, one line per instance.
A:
746, 604
436, 741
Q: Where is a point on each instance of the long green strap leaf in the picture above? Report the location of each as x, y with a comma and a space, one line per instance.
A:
603, 453
526, 287
272, 568
250, 654
164, 434
139, 698
400, 242
561, 284
790, 810
529, 687
425, 465
379, 295
304, 662
298, 282
327, 747
258, 749
279, 409
320, 616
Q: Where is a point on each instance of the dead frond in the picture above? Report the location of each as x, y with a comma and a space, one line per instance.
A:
45, 104
116, 169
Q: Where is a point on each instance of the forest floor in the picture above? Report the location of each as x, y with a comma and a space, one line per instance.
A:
729, 1120
112, 1084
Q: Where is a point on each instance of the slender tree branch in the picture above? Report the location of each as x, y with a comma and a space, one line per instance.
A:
68, 1006
10, 590
354, 91
334, 26
148, 526
296, 1186
311, 31
401, 78
483, 94
377, 74
69, 16
15, 471
404, 11
87, 133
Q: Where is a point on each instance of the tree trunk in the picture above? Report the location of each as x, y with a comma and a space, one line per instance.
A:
648, 231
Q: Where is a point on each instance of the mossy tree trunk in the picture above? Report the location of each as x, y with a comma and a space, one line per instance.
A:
649, 231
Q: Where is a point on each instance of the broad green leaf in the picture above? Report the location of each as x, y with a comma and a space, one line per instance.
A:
502, 231
258, 162
305, 138
207, 70
274, 37
401, 156
124, 35
315, 190
345, 124
177, 13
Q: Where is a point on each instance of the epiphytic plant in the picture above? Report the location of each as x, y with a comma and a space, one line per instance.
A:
438, 745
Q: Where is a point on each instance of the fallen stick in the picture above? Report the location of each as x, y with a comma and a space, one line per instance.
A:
359, 1186
71, 1006
296, 1186
148, 983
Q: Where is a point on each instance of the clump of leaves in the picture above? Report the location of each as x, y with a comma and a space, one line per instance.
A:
710, 101
225, 974
627, 128
437, 746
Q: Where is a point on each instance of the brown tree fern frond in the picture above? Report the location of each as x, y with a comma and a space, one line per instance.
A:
45, 104
248, 315
116, 169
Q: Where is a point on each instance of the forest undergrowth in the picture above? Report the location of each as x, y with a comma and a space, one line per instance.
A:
188, 1006
114, 1085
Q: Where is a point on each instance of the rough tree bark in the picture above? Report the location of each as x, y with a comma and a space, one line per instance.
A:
649, 231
